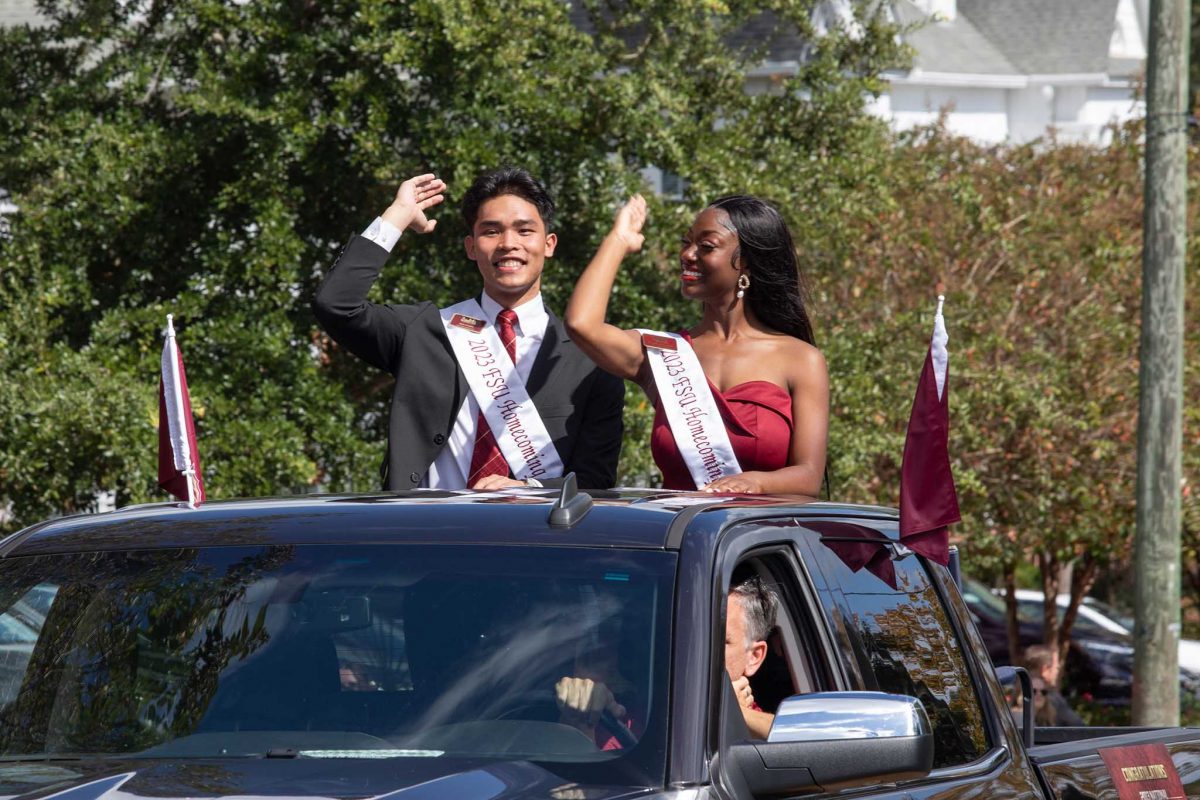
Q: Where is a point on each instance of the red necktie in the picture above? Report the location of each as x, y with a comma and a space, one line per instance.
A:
487, 459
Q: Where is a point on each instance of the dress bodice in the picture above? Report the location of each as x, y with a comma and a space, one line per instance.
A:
758, 417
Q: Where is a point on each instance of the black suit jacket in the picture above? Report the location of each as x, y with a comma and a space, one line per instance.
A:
579, 403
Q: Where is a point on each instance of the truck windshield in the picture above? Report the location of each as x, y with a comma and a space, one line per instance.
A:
338, 651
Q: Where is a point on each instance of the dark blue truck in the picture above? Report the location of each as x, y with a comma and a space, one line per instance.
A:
412, 645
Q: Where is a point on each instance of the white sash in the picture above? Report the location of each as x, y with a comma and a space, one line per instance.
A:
497, 387
692, 412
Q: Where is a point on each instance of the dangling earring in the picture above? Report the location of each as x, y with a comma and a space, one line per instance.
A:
743, 285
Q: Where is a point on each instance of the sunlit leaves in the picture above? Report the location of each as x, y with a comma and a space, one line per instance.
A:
208, 158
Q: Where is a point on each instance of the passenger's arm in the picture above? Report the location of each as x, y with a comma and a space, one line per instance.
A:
615, 350
758, 722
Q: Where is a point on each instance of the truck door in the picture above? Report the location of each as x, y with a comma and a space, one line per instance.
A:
855, 620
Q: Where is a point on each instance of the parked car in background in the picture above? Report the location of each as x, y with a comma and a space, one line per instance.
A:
1090, 672
1099, 663
1097, 617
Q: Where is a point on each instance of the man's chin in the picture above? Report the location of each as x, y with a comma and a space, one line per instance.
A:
511, 289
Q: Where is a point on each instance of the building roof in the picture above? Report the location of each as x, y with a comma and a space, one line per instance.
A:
986, 37
956, 46
1047, 37
780, 41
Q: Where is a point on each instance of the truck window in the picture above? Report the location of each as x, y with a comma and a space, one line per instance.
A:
896, 635
380, 651
785, 667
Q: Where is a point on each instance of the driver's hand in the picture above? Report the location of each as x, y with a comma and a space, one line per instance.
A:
587, 697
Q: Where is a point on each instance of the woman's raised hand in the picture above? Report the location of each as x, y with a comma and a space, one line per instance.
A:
627, 226
613, 349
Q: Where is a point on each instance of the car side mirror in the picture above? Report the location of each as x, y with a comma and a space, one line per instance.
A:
830, 741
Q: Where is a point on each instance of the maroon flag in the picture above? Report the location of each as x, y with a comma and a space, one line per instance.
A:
928, 501
178, 458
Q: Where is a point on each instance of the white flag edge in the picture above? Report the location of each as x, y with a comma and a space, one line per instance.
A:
937, 349
173, 396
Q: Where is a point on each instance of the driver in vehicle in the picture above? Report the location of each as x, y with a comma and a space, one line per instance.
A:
590, 694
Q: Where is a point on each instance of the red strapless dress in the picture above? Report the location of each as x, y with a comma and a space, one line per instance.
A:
758, 416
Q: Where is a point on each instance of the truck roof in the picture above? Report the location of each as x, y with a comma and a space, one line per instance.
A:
626, 518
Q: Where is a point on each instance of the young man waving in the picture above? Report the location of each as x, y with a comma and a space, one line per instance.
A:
489, 392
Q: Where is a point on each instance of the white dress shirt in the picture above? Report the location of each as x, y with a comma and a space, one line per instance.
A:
382, 233
453, 464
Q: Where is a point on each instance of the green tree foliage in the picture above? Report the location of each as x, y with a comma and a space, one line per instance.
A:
209, 158
1038, 250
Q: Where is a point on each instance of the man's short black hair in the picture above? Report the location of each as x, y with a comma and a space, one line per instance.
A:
507, 180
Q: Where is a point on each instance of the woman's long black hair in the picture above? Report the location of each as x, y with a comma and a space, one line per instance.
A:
776, 293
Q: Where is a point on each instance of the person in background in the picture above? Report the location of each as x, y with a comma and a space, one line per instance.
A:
1014, 701
1049, 706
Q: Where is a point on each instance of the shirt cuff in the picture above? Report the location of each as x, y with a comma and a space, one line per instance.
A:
382, 233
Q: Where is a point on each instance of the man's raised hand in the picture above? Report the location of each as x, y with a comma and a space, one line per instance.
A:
413, 197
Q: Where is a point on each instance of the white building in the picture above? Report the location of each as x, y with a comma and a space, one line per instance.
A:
1012, 70
998, 70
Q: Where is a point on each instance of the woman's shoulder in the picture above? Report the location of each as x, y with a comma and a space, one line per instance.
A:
798, 351
805, 363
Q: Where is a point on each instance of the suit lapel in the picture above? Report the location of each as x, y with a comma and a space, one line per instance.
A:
461, 389
548, 356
